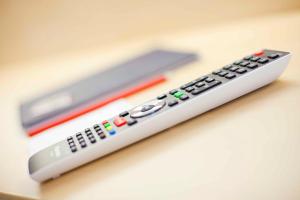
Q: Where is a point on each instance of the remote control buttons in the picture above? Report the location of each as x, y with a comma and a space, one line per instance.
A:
108, 127
172, 103
99, 131
131, 122
72, 144
263, 60
252, 65
254, 58
120, 121
81, 140
222, 73
208, 80
241, 70
227, 66
233, 68
90, 135
149, 107
238, 62
162, 96
200, 84
230, 76
189, 89
184, 97
178, 94
273, 55
173, 91
244, 63
124, 114
247, 57
202, 78
206, 87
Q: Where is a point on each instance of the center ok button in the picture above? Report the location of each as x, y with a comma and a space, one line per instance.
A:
147, 107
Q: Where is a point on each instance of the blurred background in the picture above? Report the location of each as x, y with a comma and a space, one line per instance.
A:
36, 29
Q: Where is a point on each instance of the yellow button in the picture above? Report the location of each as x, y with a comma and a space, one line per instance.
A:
109, 128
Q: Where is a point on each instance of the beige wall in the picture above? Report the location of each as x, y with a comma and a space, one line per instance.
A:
36, 29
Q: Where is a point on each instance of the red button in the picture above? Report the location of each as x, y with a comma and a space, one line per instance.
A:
259, 53
104, 122
120, 121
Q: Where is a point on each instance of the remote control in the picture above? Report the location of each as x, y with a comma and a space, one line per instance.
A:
166, 110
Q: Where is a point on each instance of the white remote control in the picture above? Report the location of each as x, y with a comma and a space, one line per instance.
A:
178, 105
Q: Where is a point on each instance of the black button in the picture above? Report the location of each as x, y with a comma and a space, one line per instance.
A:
172, 103
254, 58
273, 55
88, 130
208, 80
192, 83
147, 107
131, 121
184, 86
96, 126
123, 114
244, 64
241, 70
80, 139
102, 136
223, 73
200, 84
233, 68
83, 145
173, 91
263, 60
92, 140
238, 62
201, 78
206, 87
97, 129
227, 66
78, 134
247, 57
252, 65
184, 97
230, 76
72, 144
89, 134
73, 149
162, 96
189, 89
216, 72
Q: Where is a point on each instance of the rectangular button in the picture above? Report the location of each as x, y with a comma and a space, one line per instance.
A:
119, 121
108, 128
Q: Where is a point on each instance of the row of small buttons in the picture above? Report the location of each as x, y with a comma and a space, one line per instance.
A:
99, 131
90, 135
81, 140
72, 144
108, 127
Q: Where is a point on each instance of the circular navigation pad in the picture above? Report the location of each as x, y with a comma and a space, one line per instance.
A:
147, 108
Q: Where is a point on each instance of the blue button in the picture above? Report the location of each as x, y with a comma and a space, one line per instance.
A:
112, 132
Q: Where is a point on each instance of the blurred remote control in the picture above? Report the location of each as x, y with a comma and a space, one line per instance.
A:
166, 110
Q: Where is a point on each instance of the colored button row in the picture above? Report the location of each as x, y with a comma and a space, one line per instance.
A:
108, 127
179, 95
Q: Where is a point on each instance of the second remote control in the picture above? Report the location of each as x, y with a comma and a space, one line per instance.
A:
164, 111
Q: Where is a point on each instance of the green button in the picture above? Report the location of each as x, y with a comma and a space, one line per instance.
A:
178, 94
106, 125
109, 128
